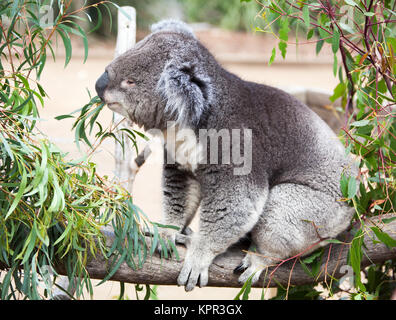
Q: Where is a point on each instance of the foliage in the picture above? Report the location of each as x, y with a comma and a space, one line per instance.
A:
231, 14
147, 14
362, 36
52, 210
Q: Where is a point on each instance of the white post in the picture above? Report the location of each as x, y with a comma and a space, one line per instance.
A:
125, 168
126, 39
126, 32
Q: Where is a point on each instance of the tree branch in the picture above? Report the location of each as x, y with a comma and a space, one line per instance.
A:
221, 273
165, 271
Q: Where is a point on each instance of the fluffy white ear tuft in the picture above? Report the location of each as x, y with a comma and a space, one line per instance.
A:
172, 25
187, 91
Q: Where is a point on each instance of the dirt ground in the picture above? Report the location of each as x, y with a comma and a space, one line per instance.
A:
67, 88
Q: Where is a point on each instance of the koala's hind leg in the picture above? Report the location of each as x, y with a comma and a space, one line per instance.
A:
227, 214
295, 218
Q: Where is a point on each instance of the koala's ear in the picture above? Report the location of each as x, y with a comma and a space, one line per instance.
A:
174, 26
187, 91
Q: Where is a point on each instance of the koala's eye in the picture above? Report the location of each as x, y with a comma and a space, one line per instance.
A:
127, 83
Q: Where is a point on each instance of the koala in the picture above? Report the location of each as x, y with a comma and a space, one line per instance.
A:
289, 200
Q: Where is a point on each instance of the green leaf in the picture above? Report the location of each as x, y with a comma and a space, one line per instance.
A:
355, 256
319, 46
335, 43
58, 200
245, 290
79, 32
311, 258
346, 27
110, 15
99, 18
41, 89
115, 268
282, 47
7, 147
20, 193
6, 283
64, 234
24, 81
352, 187
63, 116
307, 20
141, 135
325, 34
344, 185
350, 2
284, 30
335, 65
338, 92
384, 237
273, 54
174, 249
164, 250
85, 42
154, 242
360, 123
43, 59
310, 33
306, 269
30, 244
41, 233
166, 226
67, 44
336, 241
388, 220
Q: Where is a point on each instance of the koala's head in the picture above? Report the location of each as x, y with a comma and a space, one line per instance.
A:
162, 78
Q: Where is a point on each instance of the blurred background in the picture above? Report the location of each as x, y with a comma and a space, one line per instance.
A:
230, 30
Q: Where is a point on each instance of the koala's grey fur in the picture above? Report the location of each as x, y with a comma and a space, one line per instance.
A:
291, 196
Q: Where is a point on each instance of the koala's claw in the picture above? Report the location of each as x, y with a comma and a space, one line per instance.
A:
187, 231
240, 268
245, 263
250, 272
251, 267
195, 269
191, 275
183, 239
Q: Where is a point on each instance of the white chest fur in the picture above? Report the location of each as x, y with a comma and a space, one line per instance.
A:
183, 147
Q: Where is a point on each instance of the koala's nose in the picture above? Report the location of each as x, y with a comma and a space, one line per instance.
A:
101, 84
